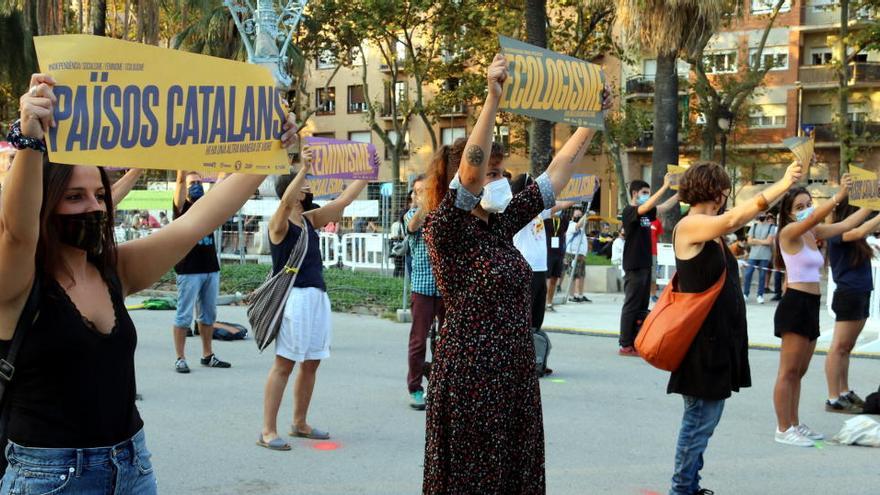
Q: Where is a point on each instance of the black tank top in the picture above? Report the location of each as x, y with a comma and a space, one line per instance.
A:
73, 386
311, 273
717, 362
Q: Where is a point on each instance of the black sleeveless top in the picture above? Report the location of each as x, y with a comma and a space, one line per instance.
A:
717, 362
73, 386
311, 273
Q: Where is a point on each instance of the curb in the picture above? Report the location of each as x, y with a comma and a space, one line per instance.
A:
758, 347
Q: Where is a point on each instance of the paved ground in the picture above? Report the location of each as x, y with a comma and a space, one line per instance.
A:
610, 427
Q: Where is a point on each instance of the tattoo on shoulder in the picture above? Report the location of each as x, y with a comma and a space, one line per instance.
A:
475, 156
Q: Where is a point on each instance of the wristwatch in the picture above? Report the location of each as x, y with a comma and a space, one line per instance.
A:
19, 141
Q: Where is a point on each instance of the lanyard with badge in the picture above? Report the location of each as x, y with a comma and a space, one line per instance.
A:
554, 240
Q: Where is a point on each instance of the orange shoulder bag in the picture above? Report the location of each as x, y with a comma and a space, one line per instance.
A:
673, 323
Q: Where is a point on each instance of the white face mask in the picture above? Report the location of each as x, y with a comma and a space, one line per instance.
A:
496, 196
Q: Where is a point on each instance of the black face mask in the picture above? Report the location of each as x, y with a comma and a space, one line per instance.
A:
83, 230
308, 202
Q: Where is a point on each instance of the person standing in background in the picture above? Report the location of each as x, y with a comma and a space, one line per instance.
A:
656, 232
576, 247
555, 226
761, 237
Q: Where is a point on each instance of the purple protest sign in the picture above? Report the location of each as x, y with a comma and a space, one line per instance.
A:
338, 159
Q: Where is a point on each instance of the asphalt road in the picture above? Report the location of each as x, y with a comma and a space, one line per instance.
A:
609, 425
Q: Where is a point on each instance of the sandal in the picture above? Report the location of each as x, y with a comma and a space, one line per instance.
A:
315, 434
274, 444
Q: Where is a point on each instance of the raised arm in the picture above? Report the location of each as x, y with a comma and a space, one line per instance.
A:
652, 201
474, 163
332, 211
565, 162
825, 231
21, 200
180, 190
120, 189
278, 223
821, 212
703, 228
862, 231
143, 261
668, 204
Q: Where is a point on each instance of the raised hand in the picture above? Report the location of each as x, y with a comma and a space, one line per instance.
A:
497, 75
793, 173
288, 138
38, 106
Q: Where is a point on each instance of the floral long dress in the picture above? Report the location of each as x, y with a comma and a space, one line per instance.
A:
484, 429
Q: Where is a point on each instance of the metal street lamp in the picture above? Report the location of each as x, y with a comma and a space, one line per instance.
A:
263, 28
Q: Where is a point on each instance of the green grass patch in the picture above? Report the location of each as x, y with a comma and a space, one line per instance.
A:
595, 259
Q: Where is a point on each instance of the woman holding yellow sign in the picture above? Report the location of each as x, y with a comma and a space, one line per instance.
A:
484, 425
72, 420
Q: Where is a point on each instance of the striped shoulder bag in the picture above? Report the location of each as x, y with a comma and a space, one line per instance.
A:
266, 308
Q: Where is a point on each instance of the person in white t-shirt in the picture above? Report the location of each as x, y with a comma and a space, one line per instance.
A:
617, 252
576, 248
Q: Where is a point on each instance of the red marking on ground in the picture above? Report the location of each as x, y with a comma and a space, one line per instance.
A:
648, 492
326, 446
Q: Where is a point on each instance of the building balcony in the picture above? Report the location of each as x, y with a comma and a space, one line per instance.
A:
458, 110
825, 76
401, 66
827, 133
642, 86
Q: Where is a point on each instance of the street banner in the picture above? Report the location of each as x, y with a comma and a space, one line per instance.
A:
802, 147
147, 200
127, 104
551, 86
675, 172
580, 188
325, 187
865, 190
338, 159
367, 208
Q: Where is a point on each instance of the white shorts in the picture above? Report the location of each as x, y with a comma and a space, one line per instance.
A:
305, 331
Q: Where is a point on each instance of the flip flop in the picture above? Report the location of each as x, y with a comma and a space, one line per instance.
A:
274, 444
315, 434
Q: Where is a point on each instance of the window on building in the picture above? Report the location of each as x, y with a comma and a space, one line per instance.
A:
502, 137
818, 114
357, 103
857, 112
720, 62
766, 6
823, 5
326, 60
768, 116
325, 135
360, 136
448, 135
392, 136
821, 56
397, 91
649, 69
774, 57
325, 101
355, 55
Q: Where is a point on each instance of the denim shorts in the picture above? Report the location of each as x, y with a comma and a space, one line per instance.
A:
201, 287
122, 469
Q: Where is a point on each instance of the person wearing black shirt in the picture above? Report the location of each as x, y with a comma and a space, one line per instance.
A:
198, 279
556, 227
637, 218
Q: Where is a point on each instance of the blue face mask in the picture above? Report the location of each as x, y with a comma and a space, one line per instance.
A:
804, 214
643, 198
196, 191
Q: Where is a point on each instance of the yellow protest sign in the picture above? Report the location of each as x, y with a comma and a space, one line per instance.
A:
801, 147
127, 104
551, 86
675, 172
865, 190
580, 188
326, 187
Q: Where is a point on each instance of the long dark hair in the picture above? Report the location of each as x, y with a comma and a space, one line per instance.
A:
784, 219
861, 252
55, 181
440, 172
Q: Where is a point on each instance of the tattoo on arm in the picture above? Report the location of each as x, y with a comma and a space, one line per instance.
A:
581, 149
475, 156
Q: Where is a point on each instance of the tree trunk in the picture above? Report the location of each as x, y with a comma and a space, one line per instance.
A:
617, 156
542, 130
99, 17
79, 16
843, 128
709, 135
665, 128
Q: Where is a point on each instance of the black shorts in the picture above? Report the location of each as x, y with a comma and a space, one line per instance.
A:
555, 265
851, 305
798, 312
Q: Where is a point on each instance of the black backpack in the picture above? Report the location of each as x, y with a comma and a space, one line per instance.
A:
7, 365
872, 403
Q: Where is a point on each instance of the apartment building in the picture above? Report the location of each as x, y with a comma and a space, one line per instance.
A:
799, 92
341, 104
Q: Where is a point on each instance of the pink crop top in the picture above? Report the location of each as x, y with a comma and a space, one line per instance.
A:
805, 266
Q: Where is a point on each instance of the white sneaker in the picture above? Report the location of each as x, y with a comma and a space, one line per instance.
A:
760, 299
792, 436
807, 432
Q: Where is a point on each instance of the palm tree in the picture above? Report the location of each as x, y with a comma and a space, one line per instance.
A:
667, 28
542, 130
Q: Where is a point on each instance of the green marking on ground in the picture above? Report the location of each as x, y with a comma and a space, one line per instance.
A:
557, 380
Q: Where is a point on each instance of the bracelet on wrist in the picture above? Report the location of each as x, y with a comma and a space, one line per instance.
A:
20, 142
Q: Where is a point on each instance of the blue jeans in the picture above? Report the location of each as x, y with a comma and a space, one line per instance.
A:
762, 265
122, 469
201, 287
700, 418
